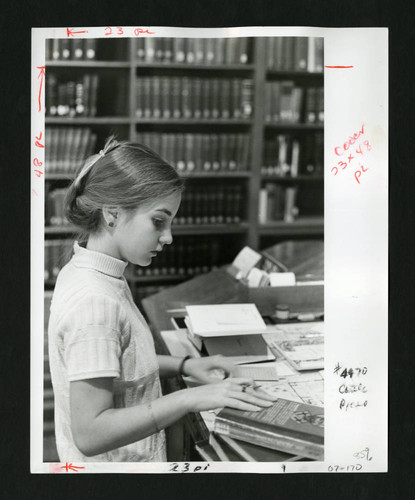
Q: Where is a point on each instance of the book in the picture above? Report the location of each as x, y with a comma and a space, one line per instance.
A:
225, 452
288, 426
302, 347
253, 453
290, 209
240, 349
224, 319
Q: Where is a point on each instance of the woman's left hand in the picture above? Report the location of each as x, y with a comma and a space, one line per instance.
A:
203, 369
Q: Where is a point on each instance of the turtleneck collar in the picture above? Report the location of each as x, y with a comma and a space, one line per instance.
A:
98, 261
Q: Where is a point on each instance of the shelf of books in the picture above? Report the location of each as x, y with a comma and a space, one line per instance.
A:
241, 119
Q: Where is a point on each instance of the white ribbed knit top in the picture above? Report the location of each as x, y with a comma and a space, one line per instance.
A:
96, 330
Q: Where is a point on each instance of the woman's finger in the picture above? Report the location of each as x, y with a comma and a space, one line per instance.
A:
244, 396
241, 405
261, 394
242, 381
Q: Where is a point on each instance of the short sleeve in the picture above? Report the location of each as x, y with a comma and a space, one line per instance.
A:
92, 345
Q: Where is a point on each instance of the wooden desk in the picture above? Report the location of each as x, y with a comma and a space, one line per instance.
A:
218, 287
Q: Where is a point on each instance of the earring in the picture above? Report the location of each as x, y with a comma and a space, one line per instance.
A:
111, 224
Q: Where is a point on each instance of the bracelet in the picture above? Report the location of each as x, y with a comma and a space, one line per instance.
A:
183, 361
153, 418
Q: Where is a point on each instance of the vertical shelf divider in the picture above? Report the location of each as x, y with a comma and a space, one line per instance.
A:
132, 100
257, 140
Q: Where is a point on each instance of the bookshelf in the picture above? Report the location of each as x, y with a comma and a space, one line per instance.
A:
236, 77
93, 90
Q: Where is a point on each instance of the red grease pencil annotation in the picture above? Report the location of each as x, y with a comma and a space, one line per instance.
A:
339, 67
359, 149
69, 467
70, 32
41, 76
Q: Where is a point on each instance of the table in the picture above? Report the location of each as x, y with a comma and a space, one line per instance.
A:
305, 258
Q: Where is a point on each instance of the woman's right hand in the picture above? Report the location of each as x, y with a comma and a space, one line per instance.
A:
239, 393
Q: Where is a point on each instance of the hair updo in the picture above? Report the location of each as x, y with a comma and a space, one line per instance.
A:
123, 174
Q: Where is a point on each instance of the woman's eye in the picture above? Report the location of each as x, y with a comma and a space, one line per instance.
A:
159, 223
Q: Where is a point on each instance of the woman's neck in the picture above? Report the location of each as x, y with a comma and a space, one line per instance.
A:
103, 243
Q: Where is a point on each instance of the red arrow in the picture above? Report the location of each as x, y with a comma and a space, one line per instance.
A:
40, 75
69, 467
70, 32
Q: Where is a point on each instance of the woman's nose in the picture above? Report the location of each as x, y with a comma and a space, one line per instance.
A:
166, 238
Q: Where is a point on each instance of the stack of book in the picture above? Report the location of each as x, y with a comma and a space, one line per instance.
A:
286, 103
66, 49
194, 98
193, 50
277, 202
67, 148
57, 254
200, 152
285, 156
74, 98
188, 257
211, 204
287, 426
224, 321
300, 54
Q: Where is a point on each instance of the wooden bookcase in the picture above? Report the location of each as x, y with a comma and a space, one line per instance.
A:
122, 64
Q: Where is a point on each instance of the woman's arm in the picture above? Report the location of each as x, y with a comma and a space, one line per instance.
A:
199, 368
98, 427
169, 365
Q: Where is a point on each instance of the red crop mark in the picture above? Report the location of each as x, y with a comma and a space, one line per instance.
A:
139, 31
70, 32
38, 139
34, 192
40, 75
339, 67
69, 467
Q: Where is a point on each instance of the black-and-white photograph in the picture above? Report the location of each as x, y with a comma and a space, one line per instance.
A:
184, 250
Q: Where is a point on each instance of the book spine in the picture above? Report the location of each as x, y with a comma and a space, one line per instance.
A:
199, 50
247, 98
290, 209
90, 49
300, 53
215, 98
293, 446
243, 51
141, 51
77, 52
179, 50
311, 105
186, 97
319, 54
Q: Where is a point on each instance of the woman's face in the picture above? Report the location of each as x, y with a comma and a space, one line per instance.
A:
139, 236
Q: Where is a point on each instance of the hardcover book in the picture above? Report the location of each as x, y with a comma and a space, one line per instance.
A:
288, 426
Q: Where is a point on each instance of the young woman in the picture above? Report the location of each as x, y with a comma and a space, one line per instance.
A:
105, 372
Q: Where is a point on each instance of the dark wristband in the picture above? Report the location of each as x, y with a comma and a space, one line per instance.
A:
183, 361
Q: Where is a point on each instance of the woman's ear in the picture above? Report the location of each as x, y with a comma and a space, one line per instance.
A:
110, 215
